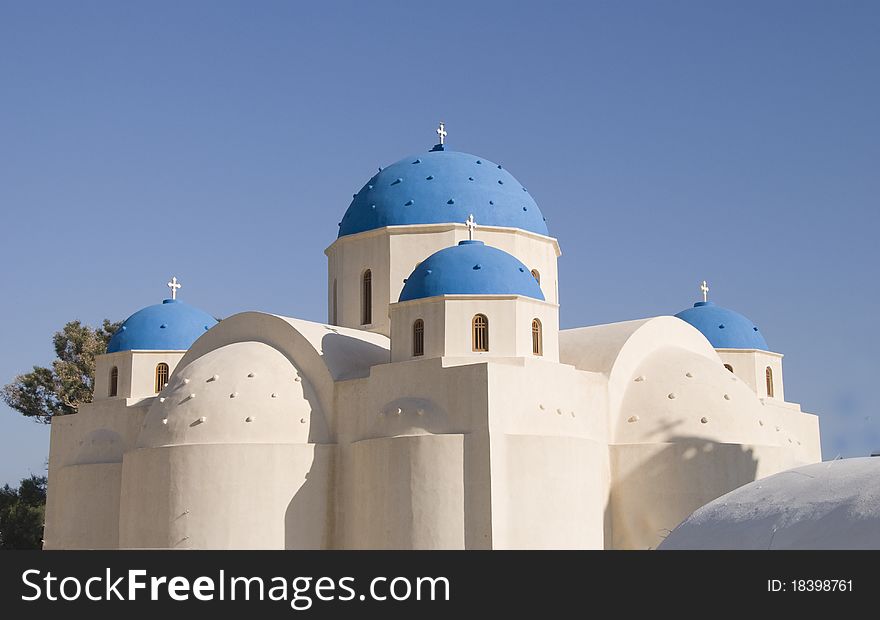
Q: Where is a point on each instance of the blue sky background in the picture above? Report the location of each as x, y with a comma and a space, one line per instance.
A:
666, 142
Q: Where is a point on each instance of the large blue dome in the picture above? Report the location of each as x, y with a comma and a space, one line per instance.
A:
725, 329
169, 326
438, 187
470, 268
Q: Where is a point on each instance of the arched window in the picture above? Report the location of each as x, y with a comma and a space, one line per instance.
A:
418, 338
367, 298
769, 373
334, 319
537, 338
729, 367
114, 381
537, 276
480, 333
161, 376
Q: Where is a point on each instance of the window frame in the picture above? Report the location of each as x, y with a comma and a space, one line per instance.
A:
367, 297
162, 371
537, 337
113, 388
418, 338
480, 333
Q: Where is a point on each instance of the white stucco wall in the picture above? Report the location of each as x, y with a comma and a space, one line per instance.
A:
280, 433
407, 492
392, 253
85, 461
137, 372
548, 456
750, 365
226, 496
448, 326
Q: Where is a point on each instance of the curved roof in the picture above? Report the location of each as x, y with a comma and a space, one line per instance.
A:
169, 326
724, 328
244, 392
470, 268
438, 187
831, 505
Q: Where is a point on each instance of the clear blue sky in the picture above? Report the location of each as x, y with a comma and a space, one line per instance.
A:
666, 142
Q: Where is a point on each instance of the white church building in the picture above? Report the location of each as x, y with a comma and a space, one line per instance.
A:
440, 406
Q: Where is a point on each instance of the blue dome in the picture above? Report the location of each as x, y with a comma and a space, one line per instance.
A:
725, 329
169, 326
470, 268
439, 187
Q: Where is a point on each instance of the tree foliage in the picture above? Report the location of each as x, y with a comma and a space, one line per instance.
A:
22, 512
45, 393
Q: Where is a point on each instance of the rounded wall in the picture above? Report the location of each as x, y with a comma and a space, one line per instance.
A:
226, 496
244, 392
229, 456
689, 431
674, 393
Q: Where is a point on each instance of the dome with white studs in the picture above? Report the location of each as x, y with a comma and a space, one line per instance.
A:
169, 326
245, 392
442, 186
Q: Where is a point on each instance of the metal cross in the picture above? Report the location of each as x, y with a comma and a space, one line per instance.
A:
471, 226
441, 131
705, 288
174, 285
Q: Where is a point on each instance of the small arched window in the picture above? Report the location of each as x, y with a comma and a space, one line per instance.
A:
114, 382
769, 374
537, 276
334, 318
537, 338
480, 333
367, 298
418, 338
161, 376
729, 367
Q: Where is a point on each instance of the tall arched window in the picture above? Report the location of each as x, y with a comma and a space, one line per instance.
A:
537, 338
480, 333
334, 318
161, 376
114, 381
769, 373
367, 298
418, 338
729, 367
536, 275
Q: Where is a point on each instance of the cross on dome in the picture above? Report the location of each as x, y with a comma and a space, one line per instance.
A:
471, 224
174, 285
441, 131
704, 288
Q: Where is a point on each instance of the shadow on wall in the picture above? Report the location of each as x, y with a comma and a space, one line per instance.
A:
348, 357
678, 477
307, 520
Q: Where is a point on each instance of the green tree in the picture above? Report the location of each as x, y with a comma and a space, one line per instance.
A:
45, 393
21, 514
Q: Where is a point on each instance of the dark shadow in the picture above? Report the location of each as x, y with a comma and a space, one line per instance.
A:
687, 473
348, 357
308, 520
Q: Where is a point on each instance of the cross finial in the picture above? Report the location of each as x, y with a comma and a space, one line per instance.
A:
471, 224
441, 131
704, 287
174, 285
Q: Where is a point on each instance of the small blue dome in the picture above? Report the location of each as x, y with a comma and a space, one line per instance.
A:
169, 326
725, 329
470, 268
439, 187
